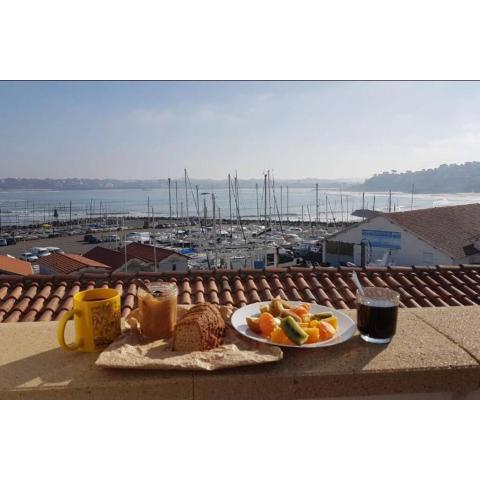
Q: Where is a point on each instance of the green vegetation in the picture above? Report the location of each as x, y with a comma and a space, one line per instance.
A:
452, 178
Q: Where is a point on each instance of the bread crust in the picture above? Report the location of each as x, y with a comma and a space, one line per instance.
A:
209, 323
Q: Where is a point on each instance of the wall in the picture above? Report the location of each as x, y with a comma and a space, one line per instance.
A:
412, 249
174, 262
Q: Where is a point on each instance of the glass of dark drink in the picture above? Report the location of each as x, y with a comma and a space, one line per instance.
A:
377, 311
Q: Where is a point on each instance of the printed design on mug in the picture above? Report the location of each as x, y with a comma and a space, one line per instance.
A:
106, 323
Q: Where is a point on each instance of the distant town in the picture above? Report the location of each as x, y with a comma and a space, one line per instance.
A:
453, 178
108, 184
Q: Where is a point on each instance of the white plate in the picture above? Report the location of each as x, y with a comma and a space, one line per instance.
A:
346, 326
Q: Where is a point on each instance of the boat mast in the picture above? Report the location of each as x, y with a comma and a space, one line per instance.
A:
256, 191
186, 199
269, 200
214, 230
220, 222
205, 216
281, 202
265, 200
288, 215
333, 214
326, 211
310, 219
237, 204
170, 198
198, 208
230, 207
176, 199
275, 203
148, 210
341, 204
154, 246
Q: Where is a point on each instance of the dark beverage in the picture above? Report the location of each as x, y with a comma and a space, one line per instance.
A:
377, 322
377, 311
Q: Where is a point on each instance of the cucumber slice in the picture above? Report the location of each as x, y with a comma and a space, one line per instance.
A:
293, 331
322, 316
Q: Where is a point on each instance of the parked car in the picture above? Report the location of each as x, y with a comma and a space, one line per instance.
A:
3, 242
11, 241
28, 257
111, 238
40, 251
87, 237
53, 235
55, 250
94, 239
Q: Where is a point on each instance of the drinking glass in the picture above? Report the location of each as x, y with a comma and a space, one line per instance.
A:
377, 311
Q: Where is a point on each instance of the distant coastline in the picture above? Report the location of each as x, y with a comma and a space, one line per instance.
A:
445, 179
81, 184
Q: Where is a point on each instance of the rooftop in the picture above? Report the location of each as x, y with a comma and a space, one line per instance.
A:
15, 266
148, 252
113, 258
116, 258
451, 229
44, 297
69, 262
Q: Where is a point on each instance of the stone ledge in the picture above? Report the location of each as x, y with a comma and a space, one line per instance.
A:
434, 354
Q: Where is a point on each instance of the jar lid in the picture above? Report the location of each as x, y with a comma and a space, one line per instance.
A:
162, 289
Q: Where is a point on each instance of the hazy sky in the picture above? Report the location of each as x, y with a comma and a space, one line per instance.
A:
298, 129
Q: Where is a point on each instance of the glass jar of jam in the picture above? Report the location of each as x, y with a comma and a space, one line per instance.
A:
158, 307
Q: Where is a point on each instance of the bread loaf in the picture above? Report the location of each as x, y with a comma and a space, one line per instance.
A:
201, 328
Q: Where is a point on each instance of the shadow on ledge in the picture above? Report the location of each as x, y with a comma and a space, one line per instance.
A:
59, 374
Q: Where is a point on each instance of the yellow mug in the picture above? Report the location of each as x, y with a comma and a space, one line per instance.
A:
96, 314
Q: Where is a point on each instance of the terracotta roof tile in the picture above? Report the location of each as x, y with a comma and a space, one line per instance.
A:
227, 298
44, 297
378, 281
4, 290
253, 296
113, 258
403, 280
14, 266
148, 252
431, 224
390, 280
68, 263
263, 284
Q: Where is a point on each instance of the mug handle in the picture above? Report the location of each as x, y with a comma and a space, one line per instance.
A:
70, 347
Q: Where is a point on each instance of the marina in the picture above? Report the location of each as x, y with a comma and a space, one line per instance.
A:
233, 227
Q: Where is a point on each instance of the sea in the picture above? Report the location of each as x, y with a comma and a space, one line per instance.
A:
25, 207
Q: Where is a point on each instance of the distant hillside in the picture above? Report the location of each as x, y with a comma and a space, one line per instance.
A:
452, 178
103, 184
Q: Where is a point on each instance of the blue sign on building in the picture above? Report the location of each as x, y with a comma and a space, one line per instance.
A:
382, 239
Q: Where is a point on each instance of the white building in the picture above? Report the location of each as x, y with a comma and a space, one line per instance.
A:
431, 236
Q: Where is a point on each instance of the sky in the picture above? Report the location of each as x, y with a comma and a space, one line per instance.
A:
146, 130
